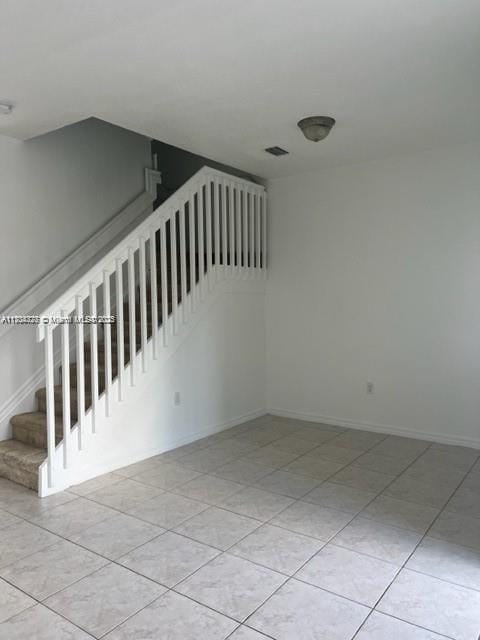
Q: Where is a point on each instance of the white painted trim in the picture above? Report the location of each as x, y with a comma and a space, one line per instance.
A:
406, 432
38, 292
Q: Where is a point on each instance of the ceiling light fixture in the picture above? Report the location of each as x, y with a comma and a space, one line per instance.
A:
316, 128
276, 151
6, 108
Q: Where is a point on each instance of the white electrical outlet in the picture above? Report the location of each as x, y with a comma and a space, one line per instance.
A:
176, 398
370, 387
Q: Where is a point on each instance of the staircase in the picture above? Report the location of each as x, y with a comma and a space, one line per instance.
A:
212, 228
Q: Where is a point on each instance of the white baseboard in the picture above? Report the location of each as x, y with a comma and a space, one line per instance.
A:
406, 432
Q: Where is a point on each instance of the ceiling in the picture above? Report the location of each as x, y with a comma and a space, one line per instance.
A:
225, 79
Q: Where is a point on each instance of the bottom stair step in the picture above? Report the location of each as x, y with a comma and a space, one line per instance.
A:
19, 462
31, 429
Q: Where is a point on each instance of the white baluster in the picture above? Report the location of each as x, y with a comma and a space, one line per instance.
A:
143, 303
80, 372
245, 236
251, 250
263, 200
238, 217
224, 229
132, 328
216, 218
50, 397
192, 241
93, 353
208, 223
173, 273
153, 293
120, 325
164, 291
66, 390
201, 245
107, 341
231, 225
258, 234
183, 261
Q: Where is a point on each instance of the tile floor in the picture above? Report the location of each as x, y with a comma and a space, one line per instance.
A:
274, 529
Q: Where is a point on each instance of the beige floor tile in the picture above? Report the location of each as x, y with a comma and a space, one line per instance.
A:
277, 549
174, 617
341, 455
26, 504
357, 439
94, 484
299, 611
39, 623
74, 517
22, 539
294, 444
12, 602
209, 489
433, 604
381, 463
287, 484
167, 476
104, 599
348, 574
446, 561
244, 633
125, 494
169, 558
116, 536
312, 520
7, 519
270, 456
314, 467
243, 471
341, 497
391, 544
413, 490
256, 503
217, 527
378, 626
457, 529
50, 570
465, 502
398, 513
232, 586
168, 510
362, 479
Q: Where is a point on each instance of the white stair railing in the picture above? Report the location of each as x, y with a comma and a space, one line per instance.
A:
214, 227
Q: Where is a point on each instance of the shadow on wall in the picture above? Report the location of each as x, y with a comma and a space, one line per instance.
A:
177, 166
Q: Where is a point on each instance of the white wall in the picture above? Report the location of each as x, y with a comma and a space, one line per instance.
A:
375, 274
57, 190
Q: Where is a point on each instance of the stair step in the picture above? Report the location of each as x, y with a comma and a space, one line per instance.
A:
31, 428
88, 375
19, 463
41, 396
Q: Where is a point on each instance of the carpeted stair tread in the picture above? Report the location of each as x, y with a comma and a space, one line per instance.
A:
31, 428
19, 462
41, 397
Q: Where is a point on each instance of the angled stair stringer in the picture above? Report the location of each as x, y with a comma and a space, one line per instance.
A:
143, 423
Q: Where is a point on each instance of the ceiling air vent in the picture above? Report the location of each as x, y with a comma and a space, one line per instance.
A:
276, 151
